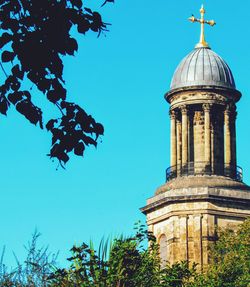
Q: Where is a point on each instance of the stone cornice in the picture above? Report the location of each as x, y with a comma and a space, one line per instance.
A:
231, 93
199, 212
206, 194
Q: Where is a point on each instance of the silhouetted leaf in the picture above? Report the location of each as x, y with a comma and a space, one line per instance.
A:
4, 105
99, 129
7, 56
12, 83
44, 85
94, 27
27, 95
4, 39
31, 112
88, 140
88, 10
107, 2
79, 149
53, 96
71, 46
57, 133
83, 26
97, 18
32, 76
15, 84
15, 97
77, 3
60, 154
16, 72
50, 124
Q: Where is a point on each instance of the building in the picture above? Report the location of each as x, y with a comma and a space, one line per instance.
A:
204, 187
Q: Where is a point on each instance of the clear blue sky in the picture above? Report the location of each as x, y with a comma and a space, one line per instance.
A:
120, 79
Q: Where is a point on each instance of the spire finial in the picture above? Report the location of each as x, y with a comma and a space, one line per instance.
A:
202, 43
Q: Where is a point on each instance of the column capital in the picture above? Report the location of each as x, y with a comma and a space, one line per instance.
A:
234, 115
184, 109
206, 107
227, 111
231, 109
172, 114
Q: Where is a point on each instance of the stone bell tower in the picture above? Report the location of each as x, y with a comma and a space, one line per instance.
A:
204, 187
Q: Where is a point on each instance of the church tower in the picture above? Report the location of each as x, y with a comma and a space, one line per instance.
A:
204, 186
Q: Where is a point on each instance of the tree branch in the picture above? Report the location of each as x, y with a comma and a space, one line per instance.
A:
3, 70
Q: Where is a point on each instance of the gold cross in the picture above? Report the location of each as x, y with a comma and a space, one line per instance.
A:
202, 21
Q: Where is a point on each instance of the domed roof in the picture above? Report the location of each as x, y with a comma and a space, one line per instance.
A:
202, 67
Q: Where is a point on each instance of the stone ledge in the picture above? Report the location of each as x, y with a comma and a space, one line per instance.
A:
222, 195
201, 181
199, 212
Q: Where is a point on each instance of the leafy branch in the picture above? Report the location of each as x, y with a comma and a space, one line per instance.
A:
35, 35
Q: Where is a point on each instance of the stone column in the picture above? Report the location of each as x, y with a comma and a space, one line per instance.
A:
213, 147
198, 256
184, 119
179, 144
183, 237
233, 141
207, 134
173, 140
227, 136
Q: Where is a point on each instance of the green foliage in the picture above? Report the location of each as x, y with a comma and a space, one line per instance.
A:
230, 266
177, 275
35, 270
123, 263
126, 262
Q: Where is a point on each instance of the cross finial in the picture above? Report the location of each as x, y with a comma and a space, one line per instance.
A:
202, 21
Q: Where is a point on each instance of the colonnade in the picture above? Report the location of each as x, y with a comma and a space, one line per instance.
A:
180, 128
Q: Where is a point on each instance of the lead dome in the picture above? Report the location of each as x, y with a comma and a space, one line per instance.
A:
202, 67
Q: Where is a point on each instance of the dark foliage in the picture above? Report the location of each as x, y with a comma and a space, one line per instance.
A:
35, 35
